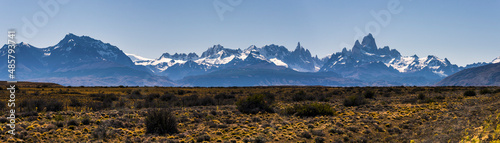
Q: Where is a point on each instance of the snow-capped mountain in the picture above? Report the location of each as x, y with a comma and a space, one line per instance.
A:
409, 64
302, 60
79, 60
82, 60
496, 60
80, 49
477, 74
478, 64
351, 63
365, 61
487, 75
217, 57
136, 58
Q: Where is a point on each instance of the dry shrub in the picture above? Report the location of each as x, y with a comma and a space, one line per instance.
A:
161, 121
354, 100
255, 104
310, 110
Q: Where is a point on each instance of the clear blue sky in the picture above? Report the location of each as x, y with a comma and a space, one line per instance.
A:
463, 31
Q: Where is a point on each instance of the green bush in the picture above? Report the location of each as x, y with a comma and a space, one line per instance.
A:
204, 137
168, 97
152, 96
195, 100
225, 99
102, 132
73, 122
2, 105
306, 134
161, 121
470, 93
336, 131
41, 104
369, 94
74, 102
54, 105
310, 110
485, 91
421, 96
354, 100
221, 96
255, 104
302, 96
86, 121
496, 91
319, 140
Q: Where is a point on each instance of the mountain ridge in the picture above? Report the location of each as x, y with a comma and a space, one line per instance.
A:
487, 75
79, 57
364, 64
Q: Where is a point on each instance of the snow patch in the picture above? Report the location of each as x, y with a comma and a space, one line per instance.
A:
107, 53
215, 61
497, 60
135, 58
369, 54
440, 73
278, 62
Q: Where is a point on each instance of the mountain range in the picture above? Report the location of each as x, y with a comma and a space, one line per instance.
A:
487, 75
82, 60
79, 60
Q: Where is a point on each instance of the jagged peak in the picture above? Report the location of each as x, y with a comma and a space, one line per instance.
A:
447, 61
70, 37
212, 50
357, 44
70, 34
431, 57
386, 48
24, 44
298, 46
369, 35
180, 56
369, 42
252, 47
192, 54
166, 55
217, 47
250, 57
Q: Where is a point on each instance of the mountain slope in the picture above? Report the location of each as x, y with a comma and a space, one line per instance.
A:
496, 60
217, 58
79, 60
488, 75
267, 75
136, 58
364, 62
82, 60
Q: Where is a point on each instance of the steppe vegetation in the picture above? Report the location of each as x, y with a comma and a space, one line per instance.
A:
52, 113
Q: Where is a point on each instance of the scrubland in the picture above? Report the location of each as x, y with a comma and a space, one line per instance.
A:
52, 113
